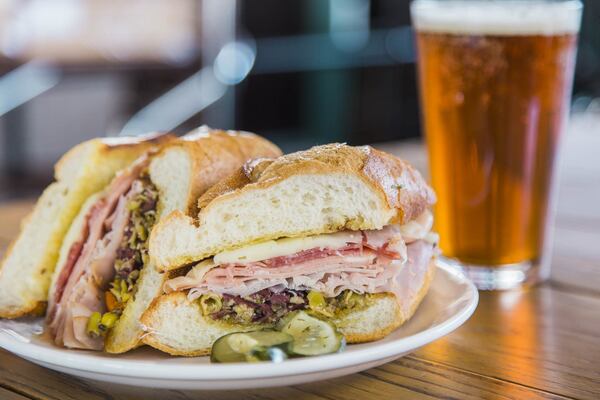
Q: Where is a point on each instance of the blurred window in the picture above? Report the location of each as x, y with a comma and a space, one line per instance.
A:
91, 31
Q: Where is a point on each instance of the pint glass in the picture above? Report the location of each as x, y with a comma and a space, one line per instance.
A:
495, 85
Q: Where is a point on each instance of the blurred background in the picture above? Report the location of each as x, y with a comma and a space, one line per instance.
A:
300, 72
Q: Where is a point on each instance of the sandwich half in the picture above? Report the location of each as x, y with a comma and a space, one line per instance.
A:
103, 279
27, 266
342, 232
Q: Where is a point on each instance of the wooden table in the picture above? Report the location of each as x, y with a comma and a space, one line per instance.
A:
538, 343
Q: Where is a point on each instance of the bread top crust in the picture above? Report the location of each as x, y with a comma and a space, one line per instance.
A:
402, 186
102, 150
214, 153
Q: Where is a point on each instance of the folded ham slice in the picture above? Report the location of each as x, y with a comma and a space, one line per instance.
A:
366, 267
90, 264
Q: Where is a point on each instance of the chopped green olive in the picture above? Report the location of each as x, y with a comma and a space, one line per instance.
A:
351, 299
133, 205
93, 324
318, 304
244, 312
141, 231
316, 299
108, 320
210, 303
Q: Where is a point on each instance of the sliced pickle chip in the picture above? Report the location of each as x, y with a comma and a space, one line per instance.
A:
273, 354
265, 345
312, 336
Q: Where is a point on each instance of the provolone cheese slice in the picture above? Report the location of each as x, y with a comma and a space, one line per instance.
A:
286, 247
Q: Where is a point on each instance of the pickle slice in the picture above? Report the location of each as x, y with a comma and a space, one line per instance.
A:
250, 346
312, 336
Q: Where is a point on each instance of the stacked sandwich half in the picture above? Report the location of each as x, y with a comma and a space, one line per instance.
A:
93, 271
342, 232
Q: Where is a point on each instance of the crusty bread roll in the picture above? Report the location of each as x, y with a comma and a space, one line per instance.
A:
27, 266
181, 170
321, 190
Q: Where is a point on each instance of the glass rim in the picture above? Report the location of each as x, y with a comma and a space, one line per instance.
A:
570, 4
491, 17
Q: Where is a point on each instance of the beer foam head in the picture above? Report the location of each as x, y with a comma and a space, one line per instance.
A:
488, 17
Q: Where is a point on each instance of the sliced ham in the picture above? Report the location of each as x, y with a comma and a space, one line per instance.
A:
74, 254
72, 332
86, 296
419, 228
90, 264
409, 281
375, 265
249, 279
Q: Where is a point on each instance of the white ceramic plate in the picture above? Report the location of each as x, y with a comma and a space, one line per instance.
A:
449, 303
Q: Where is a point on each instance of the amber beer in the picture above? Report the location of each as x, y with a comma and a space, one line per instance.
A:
495, 82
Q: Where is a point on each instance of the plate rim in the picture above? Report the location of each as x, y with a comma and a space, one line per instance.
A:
150, 369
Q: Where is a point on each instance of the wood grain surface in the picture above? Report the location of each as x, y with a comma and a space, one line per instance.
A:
540, 343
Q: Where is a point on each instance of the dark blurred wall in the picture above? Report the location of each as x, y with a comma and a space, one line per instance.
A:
587, 75
362, 102
356, 103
